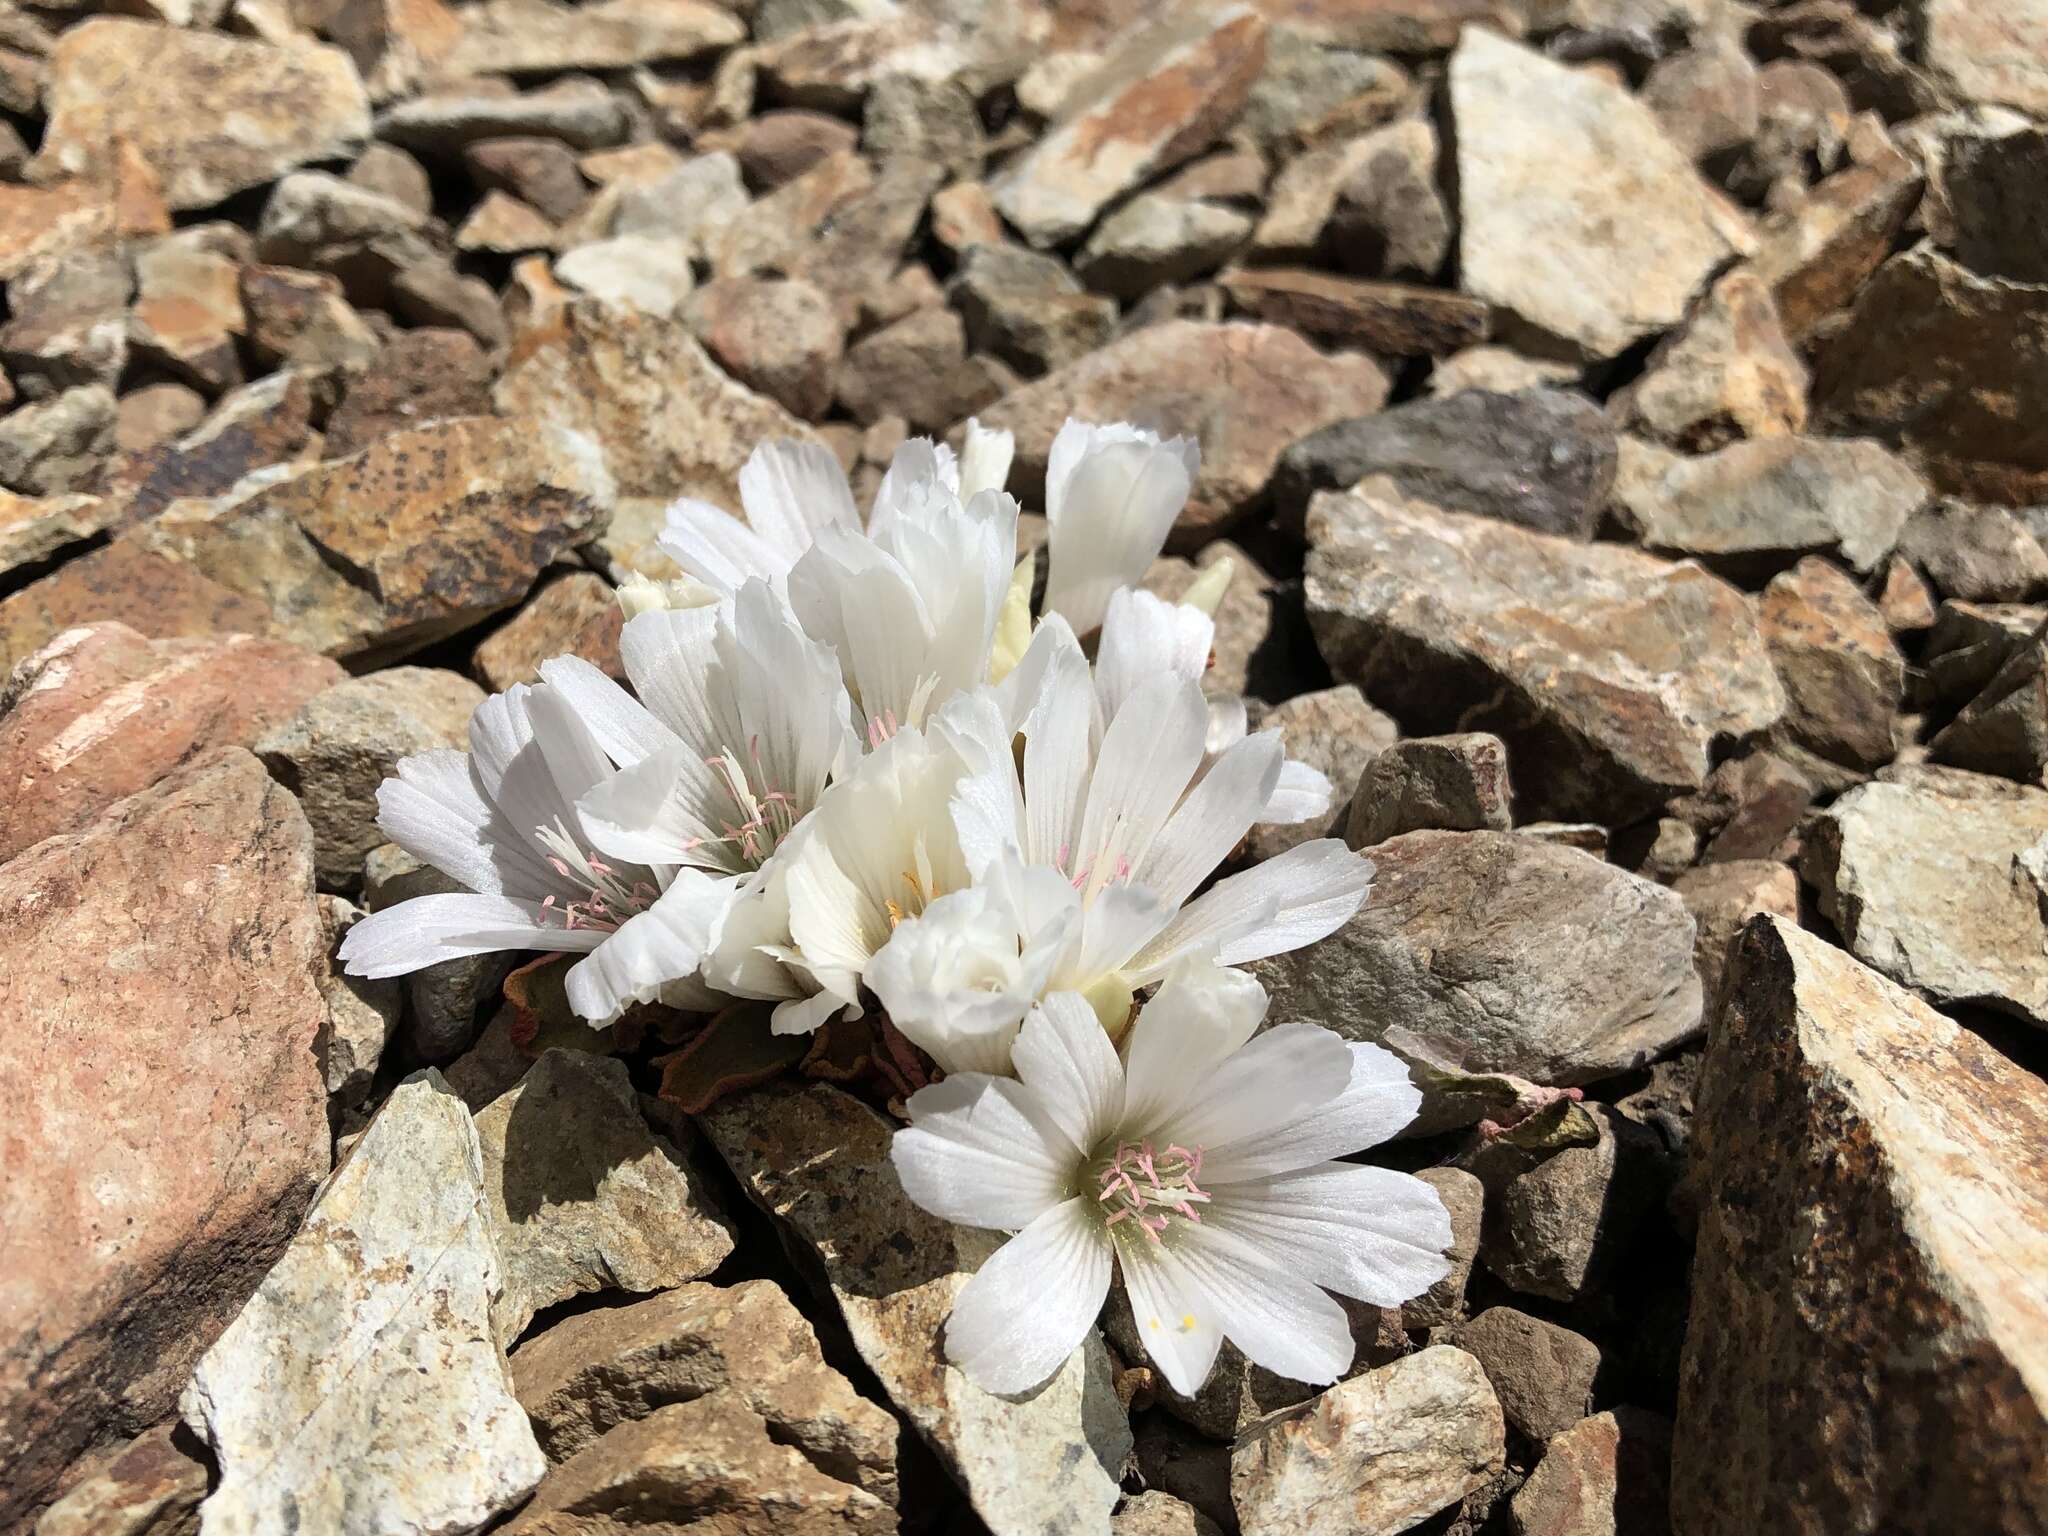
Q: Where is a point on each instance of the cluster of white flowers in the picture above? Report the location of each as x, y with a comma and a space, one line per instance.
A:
853, 771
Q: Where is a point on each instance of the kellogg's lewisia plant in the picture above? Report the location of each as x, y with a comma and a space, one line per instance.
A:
853, 777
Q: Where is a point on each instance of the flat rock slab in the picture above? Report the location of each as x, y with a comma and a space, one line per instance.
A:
1612, 675
817, 1160
1580, 217
1503, 953
210, 114
1919, 875
100, 712
361, 1392
1245, 390
167, 1121
1868, 1347
526, 36
1990, 50
583, 1196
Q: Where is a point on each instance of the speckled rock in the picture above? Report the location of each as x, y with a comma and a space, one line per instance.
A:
150, 1487
1542, 1374
1729, 372
1608, 1475
577, 615
1844, 678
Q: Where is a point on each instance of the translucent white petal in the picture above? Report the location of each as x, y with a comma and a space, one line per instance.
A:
664, 944
1143, 637
1109, 508
985, 456
1228, 722
1181, 1331
717, 548
1067, 1064
1058, 754
1149, 753
429, 929
1199, 1015
434, 810
1213, 819
623, 726
980, 1152
1118, 923
917, 462
795, 717
1289, 901
671, 655
1366, 1232
575, 761
1301, 794
1274, 1083
1376, 1102
668, 808
791, 490
1032, 1303
1265, 1306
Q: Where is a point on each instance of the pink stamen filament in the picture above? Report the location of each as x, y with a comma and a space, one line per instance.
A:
1148, 1187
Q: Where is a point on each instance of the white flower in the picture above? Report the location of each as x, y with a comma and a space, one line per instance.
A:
1111, 495
501, 819
1198, 1164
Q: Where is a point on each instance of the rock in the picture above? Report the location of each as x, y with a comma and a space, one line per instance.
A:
916, 370
1246, 391
932, 121
1027, 308
1464, 1197
69, 323
362, 1014
1918, 876
151, 1487
346, 740
1978, 554
2004, 730
1844, 679
780, 337
1541, 459
300, 320
1370, 205
583, 1197
1817, 256
1727, 373
1869, 1170
389, 170
502, 225
417, 377
188, 308
449, 523
52, 221
170, 1173
1498, 369
1309, 93
33, 528
434, 293
101, 712
1164, 92
1968, 645
1337, 733
589, 1373
505, 37
541, 173
1657, 849
1379, 1453
666, 420
1941, 361
362, 238
1545, 156
1453, 783
256, 427
646, 273
579, 113
781, 225
963, 214
1609, 1475
1706, 97
577, 615
163, 598
1747, 807
1613, 704
856, 253
55, 446
1509, 954
1983, 204
1392, 319
209, 114
1756, 507
1542, 1374
1722, 898
1558, 1227
1988, 50
707, 1464
1905, 599
1049, 1461
368, 1348
1154, 240
777, 147
689, 203
1160, 1514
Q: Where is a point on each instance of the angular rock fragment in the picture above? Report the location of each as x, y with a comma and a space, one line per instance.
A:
1722, 898
33, 528
1391, 319
2004, 730
1844, 678
151, 1487
1448, 783
505, 37
1727, 373
1542, 1374
1155, 239
1605, 1475
59, 445
160, 597
362, 1014
577, 615
1978, 554
1989, 50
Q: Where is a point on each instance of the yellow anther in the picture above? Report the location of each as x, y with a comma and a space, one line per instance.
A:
1187, 1320
1155, 1322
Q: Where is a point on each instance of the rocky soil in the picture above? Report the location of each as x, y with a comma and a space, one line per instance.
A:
1628, 420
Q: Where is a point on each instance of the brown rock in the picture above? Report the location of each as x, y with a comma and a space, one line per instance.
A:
255, 427
575, 616
150, 1487
101, 712
1542, 1374
153, 415
1154, 1513
782, 338
1246, 390
33, 528
1989, 50
1464, 1198
964, 214
1027, 308
502, 225
58, 445
1747, 807
124, 580
1392, 26
434, 293
1337, 733
1455, 783
1818, 255
1609, 1475
1844, 679
1870, 1171
51, 221
1722, 898
300, 320
209, 113
1905, 599
1370, 205
171, 1173
2004, 730
68, 323
1393, 319
1727, 373
417, 377
1976, 554
539, 172
503, 37
777, 147
389, 171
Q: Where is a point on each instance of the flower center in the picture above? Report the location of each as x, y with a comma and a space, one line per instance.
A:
610, 900
1142, 1189
758, 821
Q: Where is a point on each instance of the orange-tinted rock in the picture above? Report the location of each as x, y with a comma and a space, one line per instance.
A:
576, 616
265, 423
101, 712
166, 1123
419, 376
124, 581
34, 528
50, 221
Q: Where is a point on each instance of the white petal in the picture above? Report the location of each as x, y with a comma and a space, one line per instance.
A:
671, 655
1289, 901
1275, 1082
985, 456
717, 548
575, 761
917, 462
664, 944
665, 809
794, 714
1213, 819
429, 929
1108, 516
1032, 1303
791, 490
1228, 723
1376, 1103
1068, 1065
1180, 1330
1197, 1018
1366, 1232
1302, 794
1149, 753
1265, 1306
434, 810
1144, 636
1058, 753
1118, 923
979, 1151
623, 726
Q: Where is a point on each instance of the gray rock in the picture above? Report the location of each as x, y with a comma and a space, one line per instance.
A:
1027, 308
1546, 155
779, 337
1917, 873
647, 273
361, 236
54, 446
934, 122
362, 1014
1967, 646
816, 1160
580, 114
1617, 697
347, 739
690, 204
1506, 954
68, 324
1985, 201
1978, 554
1465, 1198
1542, 1374
1870, 1171
1844, 678
1154, 1513
1706, 97
583, 1197
2004, 730
916, 370
1370, 205
1988, 50
1377, 1454
1755, 507
1306, 84
1543, 459
1448, 783
506, 37
361, 1390
1155, 240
